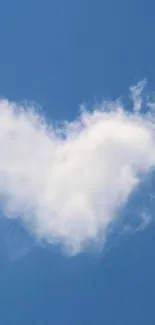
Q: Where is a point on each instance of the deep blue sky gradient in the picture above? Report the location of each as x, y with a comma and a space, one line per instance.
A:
59, 54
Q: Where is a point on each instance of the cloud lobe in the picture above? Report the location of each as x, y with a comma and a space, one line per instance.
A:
66, 183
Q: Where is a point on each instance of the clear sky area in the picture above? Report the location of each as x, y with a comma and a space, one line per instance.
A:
77, 159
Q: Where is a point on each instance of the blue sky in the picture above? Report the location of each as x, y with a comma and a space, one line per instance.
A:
60, 54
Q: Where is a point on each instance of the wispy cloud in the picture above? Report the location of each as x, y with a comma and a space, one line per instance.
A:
67, 183
145, 221
136, 95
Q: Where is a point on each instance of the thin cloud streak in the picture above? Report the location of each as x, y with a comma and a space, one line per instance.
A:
136, 95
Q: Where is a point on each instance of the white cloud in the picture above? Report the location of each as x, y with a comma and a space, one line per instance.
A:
67, 183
